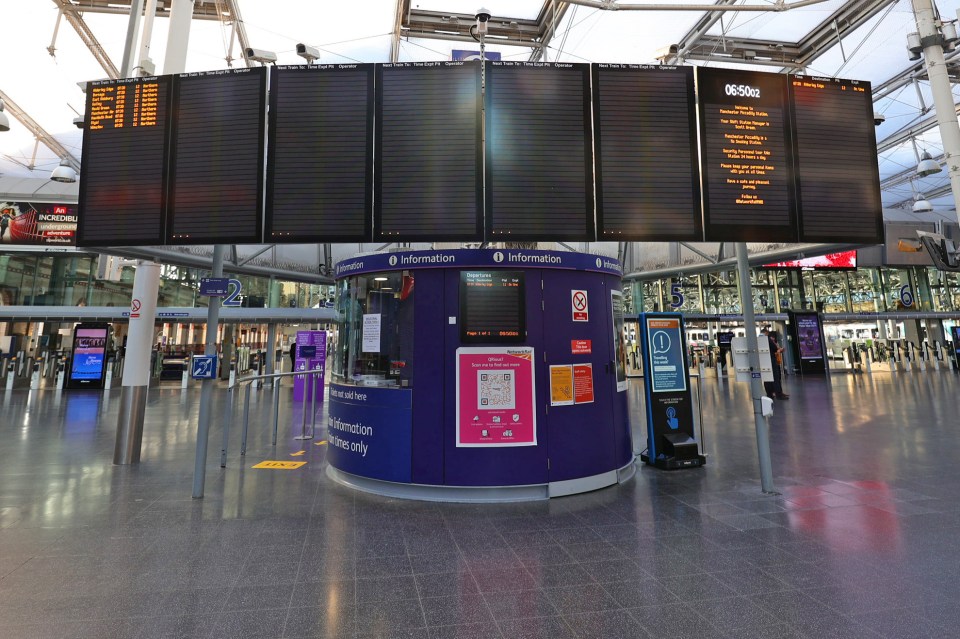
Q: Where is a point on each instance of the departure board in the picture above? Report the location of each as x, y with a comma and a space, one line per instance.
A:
320, 154
746, 157
216, 193
645, 145
429, 175
123, 170
492, 307
539, 163
836, 159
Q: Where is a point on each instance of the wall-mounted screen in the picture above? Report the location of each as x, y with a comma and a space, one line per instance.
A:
89, 355
836, 159
36, 224
539, 159
123, 171
429, 163
492, 307
746, 157
843, 261
216, 193
320, 157
645, 145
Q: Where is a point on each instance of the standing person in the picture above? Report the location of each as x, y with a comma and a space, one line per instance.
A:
775, 388
293, 356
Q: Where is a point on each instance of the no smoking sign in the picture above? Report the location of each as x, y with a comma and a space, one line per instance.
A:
578, 303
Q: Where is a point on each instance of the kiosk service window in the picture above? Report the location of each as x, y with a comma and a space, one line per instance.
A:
375, 317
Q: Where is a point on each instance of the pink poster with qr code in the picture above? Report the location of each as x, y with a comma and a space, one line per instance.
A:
495, 397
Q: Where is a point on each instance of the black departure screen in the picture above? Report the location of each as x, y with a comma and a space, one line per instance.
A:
123, 169
746, 157
320, 153
492, 307
836, 159
648, 183
539, 159
429, 176
216, 193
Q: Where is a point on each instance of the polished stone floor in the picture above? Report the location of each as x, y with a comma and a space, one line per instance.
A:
863, 542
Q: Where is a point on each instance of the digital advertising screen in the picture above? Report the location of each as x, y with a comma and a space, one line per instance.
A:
123, 171
808, 333
746, 157
836, 160
429, 162
89, 355
539, 162
645, 145
320, 158
843, 261
492, 307
216, 193
37, 224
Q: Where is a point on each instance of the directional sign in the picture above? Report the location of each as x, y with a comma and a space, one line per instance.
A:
232, 298
215, 286
203, 367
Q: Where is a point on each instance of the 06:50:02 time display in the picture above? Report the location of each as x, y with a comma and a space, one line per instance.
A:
741, 90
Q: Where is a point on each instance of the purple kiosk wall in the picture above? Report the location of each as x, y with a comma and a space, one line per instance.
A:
479, 375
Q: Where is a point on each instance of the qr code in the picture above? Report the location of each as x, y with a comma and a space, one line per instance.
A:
495, 389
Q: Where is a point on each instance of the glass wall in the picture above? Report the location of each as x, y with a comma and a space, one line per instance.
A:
865, 290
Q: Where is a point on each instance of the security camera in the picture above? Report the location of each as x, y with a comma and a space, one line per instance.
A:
308, 53
668, 51
483, 14
878, 118
260, 55
79, 122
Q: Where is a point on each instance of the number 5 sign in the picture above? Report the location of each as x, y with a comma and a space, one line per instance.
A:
578, 304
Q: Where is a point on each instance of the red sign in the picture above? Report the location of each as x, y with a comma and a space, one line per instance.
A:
581, 346
578, 302
582, 383
135, 308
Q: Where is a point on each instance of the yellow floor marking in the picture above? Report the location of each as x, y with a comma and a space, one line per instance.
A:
298, 453
320, 443
280, 465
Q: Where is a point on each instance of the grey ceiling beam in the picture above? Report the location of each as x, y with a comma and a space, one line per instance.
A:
848, 18
39, 133
438, 25
73, 14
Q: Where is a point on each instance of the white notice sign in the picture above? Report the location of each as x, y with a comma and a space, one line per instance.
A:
371, 333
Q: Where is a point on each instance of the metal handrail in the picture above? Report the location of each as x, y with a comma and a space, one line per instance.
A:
249, 381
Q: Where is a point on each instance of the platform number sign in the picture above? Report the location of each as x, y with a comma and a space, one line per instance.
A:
676, 295
579, 306
906, 296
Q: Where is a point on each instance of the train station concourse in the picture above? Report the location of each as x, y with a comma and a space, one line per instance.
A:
543, 319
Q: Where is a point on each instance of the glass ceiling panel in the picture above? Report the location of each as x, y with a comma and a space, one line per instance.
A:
786, 26
518, 9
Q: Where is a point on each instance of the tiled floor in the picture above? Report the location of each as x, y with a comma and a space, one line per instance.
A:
863, 542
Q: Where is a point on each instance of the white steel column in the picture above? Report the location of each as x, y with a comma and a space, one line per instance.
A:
181, 14
946, 109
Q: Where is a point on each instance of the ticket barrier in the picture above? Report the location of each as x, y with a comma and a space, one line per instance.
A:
866, 355
61, 372
851, 358
11, 372
35, 375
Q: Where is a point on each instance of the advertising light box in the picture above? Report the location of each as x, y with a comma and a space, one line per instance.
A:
320, 158
217, 157
539, 163
429, 164
123, 171
746, 157
88, 364
36, 224
645, 140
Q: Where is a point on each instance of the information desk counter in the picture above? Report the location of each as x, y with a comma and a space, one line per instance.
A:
479, 375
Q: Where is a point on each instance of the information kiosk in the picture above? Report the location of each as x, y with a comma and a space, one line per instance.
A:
671, 438
479, 375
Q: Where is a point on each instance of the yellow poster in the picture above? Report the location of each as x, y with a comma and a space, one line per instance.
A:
561, 385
